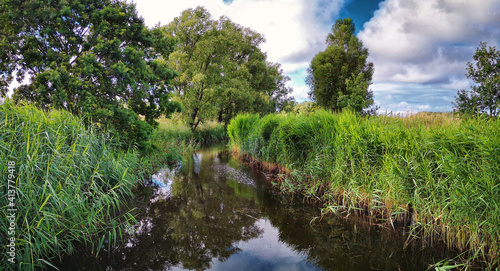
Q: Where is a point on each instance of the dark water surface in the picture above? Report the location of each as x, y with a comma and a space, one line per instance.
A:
215, 213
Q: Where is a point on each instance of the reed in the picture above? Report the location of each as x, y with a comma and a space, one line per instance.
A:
438, 173
71, 185
176, 128
172, 140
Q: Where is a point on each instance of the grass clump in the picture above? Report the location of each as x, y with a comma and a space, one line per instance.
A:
71, 185
177, 129
74, 184
436, 172
173, 139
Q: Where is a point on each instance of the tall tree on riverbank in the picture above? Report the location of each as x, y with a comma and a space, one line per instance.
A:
485, 95
94, 58
339, 77
222, 70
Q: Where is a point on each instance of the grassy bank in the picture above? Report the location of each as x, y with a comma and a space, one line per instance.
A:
64, 184
173, 138
61, 183
435, 172
177, 129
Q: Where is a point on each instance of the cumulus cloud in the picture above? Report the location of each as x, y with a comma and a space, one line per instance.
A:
428, 41
420, 49
295, 30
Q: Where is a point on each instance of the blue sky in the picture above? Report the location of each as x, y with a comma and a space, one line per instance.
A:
419, 48
360, 11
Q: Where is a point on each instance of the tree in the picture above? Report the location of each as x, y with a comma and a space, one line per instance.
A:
485, 95
94, 58
339, 77
222, 70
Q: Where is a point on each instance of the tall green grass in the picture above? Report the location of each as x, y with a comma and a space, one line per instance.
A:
71, 185
74, 184
437, 172
176, 128
173, 139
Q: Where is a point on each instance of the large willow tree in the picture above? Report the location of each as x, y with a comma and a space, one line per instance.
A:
94, 58
222, 69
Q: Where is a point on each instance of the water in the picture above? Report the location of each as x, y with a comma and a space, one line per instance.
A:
215, 213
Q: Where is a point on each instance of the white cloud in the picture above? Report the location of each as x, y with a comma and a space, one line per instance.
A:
295, 30
403, 97
301, 93
428, 42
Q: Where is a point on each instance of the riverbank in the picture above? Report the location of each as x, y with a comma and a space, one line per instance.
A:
64, 184
216, 213
437, 173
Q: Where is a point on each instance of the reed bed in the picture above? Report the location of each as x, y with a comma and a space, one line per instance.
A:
437, 173
175, 128
71, 185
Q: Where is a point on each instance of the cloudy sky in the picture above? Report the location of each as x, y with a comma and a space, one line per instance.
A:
419, 47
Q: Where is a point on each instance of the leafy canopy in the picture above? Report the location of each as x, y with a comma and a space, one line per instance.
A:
484, 97
94, 58
222, 70
339, 77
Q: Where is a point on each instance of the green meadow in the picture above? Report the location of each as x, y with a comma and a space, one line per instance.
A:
437, 173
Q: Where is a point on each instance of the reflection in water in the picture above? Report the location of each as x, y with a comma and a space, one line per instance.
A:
163, 181
266, 252
216, 214
197, 157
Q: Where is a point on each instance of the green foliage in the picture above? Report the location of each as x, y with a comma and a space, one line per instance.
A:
357, 97
240, 128
446, 168
306, 107
339, 77
71, 185
211, 132
95, 59
222, 70
175, 131
485, 95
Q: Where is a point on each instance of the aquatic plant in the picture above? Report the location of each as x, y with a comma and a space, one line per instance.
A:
178, 129
61, 184
436, 172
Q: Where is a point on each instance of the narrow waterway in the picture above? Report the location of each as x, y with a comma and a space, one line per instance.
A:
215, 213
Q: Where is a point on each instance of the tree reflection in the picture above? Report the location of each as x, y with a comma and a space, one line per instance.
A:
211, 208
205, 215
331, 243
211, 217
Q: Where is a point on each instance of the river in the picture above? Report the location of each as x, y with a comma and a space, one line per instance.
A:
216, 213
